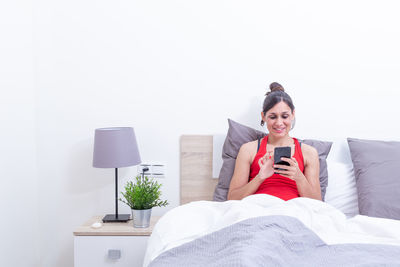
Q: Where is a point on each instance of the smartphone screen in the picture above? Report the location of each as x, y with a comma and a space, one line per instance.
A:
282, 152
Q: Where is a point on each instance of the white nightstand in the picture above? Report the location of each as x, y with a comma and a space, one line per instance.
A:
114, 244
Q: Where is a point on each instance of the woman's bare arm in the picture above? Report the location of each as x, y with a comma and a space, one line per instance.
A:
240, 186
310, 187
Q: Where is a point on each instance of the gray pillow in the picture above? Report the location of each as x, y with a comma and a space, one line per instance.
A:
376, 168
239, 134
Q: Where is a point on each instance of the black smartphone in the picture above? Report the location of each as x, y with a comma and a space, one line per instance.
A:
282, 152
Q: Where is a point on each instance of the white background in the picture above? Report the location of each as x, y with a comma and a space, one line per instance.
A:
169, 68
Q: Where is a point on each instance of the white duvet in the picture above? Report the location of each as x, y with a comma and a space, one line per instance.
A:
188, 222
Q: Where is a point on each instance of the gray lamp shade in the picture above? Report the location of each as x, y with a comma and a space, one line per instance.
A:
115, 147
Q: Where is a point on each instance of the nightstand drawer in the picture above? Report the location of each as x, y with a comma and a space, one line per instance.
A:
115, 251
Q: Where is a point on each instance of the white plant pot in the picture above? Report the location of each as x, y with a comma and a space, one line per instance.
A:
141, 218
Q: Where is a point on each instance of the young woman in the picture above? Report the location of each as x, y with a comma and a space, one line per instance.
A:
255, 172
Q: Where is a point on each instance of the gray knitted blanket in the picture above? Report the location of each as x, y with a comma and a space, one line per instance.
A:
274, 241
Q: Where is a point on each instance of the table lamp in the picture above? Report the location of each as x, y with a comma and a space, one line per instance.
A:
115, 147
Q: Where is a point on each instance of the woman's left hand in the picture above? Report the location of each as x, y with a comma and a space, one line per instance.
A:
292, 171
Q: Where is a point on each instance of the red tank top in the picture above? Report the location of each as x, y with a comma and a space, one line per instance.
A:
277, 185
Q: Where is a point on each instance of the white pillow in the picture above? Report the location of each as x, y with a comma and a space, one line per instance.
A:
342, 191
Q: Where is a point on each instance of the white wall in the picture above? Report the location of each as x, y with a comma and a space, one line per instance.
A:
174, 67
18, 187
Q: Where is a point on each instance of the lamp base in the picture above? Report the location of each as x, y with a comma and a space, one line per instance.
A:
113, 218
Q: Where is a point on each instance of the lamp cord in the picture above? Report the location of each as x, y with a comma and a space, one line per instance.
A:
116, 193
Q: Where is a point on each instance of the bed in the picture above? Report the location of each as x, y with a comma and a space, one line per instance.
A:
263, 230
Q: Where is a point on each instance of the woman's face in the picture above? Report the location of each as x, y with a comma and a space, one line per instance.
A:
279, 119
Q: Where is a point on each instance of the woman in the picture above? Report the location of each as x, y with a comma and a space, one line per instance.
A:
299, 179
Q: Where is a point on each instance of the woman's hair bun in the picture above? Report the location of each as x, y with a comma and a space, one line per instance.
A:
275, 87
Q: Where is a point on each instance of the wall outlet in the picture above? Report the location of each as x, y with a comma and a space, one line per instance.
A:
156, 170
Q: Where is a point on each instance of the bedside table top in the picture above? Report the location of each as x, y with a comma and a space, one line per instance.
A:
114, 229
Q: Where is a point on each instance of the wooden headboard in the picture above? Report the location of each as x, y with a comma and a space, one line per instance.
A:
196, 181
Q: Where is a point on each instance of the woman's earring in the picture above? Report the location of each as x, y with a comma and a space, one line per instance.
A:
293, 124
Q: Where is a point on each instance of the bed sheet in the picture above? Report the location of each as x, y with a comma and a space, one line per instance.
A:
196, 219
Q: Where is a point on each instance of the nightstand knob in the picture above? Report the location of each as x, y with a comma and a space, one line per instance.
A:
114, 254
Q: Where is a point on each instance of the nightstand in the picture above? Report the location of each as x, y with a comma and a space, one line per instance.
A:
114, 244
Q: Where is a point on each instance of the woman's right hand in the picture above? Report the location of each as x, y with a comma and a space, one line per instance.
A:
266, 166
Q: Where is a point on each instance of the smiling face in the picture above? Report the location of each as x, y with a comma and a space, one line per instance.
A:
279, 119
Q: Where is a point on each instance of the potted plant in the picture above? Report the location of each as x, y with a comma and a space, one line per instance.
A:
141, 197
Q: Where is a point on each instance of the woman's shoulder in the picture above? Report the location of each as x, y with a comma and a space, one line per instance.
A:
249, 146
309, 151
247, 151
